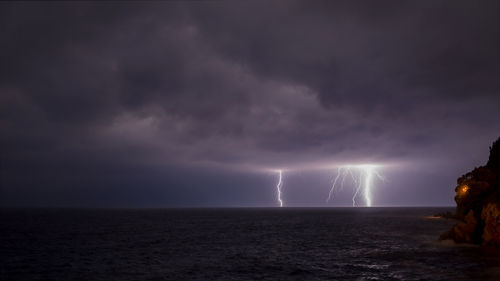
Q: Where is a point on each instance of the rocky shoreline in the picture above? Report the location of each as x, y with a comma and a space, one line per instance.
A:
478, 204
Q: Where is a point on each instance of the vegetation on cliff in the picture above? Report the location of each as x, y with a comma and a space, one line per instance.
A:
478, 204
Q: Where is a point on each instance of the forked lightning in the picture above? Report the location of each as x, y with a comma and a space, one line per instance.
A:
364, 181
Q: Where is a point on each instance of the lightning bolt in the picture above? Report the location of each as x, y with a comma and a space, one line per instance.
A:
362, 184
358, 187
278, 187
334, 183
368, 184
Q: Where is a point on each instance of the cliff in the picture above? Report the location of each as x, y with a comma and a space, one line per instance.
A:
478, 204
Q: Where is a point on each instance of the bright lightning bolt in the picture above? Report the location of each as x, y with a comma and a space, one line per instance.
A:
368, 183
278, 187
363, 184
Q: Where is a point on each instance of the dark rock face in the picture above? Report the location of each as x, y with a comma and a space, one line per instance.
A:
491, 218
478, 204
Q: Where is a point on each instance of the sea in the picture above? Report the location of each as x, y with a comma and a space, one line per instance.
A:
236, 244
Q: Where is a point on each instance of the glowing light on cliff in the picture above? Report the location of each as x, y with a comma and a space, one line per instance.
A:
463, 190
363, 183
278, 187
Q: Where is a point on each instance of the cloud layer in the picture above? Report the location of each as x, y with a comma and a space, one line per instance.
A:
90, 90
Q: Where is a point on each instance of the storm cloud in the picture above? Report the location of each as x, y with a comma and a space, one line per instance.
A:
195, 103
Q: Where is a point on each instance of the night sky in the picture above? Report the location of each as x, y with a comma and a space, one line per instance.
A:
199, 103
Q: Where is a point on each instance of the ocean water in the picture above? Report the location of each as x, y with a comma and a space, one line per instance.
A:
236, 244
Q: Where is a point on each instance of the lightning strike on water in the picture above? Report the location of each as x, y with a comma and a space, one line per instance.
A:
363, 183
278, 187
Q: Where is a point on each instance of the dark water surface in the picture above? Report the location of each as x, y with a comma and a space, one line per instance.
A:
235, 244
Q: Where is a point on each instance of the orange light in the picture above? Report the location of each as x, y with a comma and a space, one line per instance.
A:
432, 217
464, 189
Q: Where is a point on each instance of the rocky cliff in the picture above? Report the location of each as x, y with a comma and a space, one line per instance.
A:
478, 204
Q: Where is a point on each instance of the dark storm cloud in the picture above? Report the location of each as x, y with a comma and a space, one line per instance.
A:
131, 87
